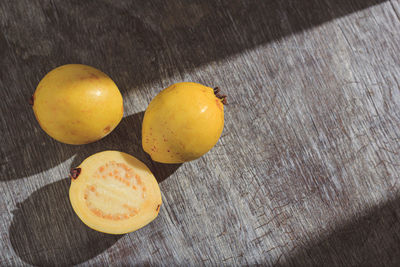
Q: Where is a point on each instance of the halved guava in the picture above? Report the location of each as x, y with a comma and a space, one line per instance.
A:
115, 193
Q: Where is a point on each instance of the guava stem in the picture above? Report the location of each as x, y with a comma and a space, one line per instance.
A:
221, 97
31, 100
74, 173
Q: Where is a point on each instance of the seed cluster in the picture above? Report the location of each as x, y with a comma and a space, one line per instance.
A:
123, 174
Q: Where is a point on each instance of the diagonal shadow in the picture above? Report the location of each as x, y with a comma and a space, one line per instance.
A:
135, 42
45, 231
369, 240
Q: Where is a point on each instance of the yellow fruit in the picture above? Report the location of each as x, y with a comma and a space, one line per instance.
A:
77, 104
183, 122
113, 192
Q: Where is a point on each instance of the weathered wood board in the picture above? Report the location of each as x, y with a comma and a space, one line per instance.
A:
307, 171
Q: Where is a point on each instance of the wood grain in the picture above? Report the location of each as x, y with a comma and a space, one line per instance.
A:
306, 172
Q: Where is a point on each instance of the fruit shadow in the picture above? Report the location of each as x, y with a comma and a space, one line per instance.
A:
45, 231
127, 138
42, 152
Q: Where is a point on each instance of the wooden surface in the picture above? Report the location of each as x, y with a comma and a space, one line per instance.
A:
307, 171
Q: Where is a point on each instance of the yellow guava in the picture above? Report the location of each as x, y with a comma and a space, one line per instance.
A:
183, 122
77, 104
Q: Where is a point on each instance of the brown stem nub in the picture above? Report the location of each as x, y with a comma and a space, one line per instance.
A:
31, 100
224, 101
74, 173
222, 97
